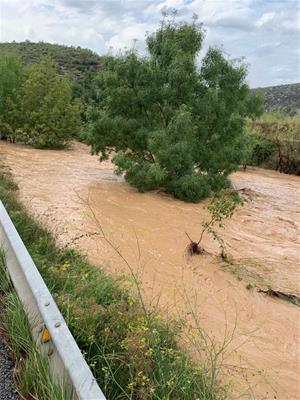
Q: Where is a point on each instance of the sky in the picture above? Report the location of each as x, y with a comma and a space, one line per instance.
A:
266, 33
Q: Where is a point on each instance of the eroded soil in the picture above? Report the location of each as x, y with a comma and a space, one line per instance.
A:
263, 357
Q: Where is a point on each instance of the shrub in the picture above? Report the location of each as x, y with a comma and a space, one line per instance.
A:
276, 142
263, 149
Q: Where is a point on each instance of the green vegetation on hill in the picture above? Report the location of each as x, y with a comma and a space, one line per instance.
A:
283, 98
80, 64
74, 61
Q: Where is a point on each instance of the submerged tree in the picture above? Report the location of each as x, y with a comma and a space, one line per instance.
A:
221, 207
49, 115
172, 125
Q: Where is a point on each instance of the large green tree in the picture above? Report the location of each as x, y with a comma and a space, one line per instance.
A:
50, 116
11, 78
172, 125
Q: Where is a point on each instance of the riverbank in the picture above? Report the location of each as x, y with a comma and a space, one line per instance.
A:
262, 359
133, 352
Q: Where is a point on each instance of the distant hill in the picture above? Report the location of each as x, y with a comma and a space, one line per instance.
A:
79, 63
75, 61
284, 98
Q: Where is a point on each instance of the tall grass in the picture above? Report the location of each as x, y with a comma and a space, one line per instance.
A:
133, 352
33, 379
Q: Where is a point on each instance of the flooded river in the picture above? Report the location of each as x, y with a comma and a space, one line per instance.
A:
73, 194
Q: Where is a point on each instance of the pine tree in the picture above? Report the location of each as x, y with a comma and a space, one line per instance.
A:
171, 124
11, 78
50, 116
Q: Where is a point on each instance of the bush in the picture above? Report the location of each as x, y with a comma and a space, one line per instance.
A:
5, 130
263, 150
276, 142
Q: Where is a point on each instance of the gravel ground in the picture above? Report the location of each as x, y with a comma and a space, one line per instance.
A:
7, 386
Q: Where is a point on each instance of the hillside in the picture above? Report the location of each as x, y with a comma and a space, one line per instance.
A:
78, 63
75, 61
282, 98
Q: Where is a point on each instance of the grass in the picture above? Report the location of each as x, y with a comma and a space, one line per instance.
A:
32, 374
132, 352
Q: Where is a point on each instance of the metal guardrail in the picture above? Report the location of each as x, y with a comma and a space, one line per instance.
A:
66, 362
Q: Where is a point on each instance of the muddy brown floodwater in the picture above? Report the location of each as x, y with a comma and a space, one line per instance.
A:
263, 358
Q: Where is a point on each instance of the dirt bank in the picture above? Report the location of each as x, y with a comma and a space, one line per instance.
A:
149, 228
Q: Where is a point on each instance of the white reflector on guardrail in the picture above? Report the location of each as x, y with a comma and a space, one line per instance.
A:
49, 328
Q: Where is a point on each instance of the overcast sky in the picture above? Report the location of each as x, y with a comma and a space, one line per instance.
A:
265, 32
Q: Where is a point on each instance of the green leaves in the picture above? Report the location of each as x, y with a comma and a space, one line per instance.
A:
140, 173
191, 188
224, 204
11, 78
50, 117
36, 106
221, 207
171, 124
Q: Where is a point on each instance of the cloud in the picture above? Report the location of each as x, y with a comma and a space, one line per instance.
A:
79, 3
83, 6
265, 32
234, 23
265, 18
